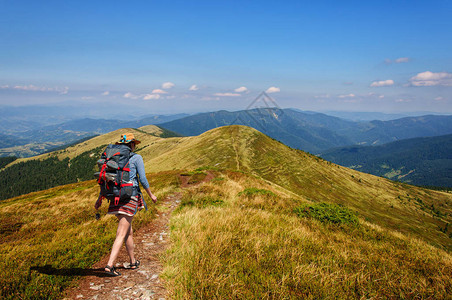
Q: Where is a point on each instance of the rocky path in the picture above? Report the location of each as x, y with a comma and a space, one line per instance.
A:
144, 282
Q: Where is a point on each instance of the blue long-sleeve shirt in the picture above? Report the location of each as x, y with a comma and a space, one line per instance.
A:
137, 167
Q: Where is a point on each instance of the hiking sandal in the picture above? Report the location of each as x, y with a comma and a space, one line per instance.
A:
134, 265
111, 271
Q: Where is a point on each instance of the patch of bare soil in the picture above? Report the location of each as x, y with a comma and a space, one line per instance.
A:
143, 283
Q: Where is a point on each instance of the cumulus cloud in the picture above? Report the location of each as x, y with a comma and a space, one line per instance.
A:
159, 91
273, 89
130, 95
106, 93
167, 85
193, 88
241, 89
432, 79
227, 94
382, 83
347, 96
151, 97
402, 60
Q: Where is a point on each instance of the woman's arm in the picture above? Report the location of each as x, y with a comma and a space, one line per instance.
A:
142, 175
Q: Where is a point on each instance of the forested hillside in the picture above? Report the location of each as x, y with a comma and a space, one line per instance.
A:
420, 161
37, 175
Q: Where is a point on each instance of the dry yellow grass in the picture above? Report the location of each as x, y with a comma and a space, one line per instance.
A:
228, 245
255, 247
48, 237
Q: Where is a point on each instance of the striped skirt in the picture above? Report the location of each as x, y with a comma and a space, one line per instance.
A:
127, 207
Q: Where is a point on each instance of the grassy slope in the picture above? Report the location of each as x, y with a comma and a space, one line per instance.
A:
230, 244
49, 237
247, 232
393, 205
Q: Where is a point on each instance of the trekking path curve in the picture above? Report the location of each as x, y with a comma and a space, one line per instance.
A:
143, 283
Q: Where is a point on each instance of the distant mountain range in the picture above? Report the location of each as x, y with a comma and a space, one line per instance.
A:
420, 161
371, 116
45, 138
308, 131
315, 132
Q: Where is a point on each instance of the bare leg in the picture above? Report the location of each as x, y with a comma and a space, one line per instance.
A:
130, 246
124, 229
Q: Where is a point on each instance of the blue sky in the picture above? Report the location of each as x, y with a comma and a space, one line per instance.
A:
189, 56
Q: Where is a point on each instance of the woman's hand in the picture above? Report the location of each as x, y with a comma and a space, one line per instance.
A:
154, 198
151, 195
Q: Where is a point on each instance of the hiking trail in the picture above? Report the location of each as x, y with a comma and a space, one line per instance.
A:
143, 283
151, 241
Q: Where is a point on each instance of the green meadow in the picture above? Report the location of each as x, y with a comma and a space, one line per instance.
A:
257, 220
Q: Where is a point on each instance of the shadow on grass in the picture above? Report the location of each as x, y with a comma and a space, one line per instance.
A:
49, 270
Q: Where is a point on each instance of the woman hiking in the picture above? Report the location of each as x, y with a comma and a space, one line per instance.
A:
125, 209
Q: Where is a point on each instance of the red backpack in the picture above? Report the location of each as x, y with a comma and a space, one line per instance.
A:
114, 173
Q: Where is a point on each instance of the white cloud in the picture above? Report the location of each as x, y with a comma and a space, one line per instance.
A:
151, 97
33, 88
159, 91
399, 60
206, 98
241, 89
130, 95
64, 91
432, 79
273, 90
106, 93
4, 87
402, 60
347, 96
403, 100
167, 85
227, 94
193, 88
439, 98
382, 83
87, 98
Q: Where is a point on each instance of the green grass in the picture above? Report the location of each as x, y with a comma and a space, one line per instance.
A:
328, 213
50, 237
243, 250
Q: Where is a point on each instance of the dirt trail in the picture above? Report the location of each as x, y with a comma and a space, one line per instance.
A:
143, 283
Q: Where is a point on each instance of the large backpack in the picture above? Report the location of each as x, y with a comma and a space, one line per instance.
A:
114, 173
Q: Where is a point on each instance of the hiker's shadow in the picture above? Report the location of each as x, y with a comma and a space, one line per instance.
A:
49, 270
